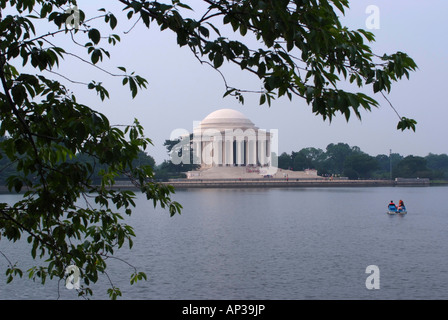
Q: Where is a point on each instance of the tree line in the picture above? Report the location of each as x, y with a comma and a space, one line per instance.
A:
338, 159
350, 161
11, 169
162, 171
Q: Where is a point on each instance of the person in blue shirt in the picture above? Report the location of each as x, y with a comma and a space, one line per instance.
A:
392, 206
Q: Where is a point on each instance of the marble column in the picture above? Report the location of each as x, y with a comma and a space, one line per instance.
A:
230, 149
262, 152
268, 149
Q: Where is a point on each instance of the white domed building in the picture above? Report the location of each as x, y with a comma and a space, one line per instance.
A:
227, 145
227, 138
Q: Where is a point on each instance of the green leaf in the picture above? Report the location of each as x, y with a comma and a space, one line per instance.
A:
19, 94
218, 60
96, 56
18, 186
94, 35
243, 29
204, 31
113, 21
406, 123
183, 5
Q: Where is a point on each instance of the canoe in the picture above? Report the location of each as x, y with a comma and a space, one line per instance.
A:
397, 211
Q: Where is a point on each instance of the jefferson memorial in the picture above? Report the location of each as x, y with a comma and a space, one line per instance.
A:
226, 138
227, 145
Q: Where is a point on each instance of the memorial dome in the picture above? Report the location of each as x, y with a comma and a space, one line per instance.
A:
226, 119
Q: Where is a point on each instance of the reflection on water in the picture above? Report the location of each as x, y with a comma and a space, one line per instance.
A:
299, 243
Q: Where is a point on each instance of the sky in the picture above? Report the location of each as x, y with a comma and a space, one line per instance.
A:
181, 90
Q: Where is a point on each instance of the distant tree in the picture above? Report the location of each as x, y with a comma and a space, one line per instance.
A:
386, 165
7, 167
352, 162
143, 159
299, 161
383, 162
182, 149
360, 163
285, 161
395, 159
439, 164
351, 174
308, 158
412, 167
167, 170
336, 155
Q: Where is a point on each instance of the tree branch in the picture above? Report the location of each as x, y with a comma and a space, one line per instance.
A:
22, 121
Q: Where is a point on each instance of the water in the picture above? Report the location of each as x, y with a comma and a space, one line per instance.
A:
303, 243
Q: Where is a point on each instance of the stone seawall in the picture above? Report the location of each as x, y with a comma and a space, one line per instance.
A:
274, 183
283, 183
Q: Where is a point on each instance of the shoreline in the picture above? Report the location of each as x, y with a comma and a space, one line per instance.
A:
291, 183
279, 183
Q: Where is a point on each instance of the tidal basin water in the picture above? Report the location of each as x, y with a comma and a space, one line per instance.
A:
301, 243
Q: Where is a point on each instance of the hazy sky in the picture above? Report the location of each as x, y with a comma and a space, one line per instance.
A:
182, 91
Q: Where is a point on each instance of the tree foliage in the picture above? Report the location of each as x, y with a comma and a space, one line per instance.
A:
47, 131
304, 51
180, 148
352, 162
